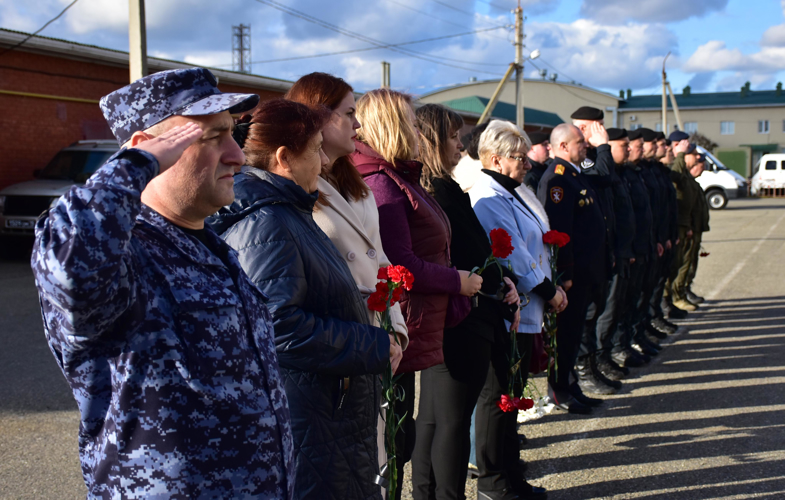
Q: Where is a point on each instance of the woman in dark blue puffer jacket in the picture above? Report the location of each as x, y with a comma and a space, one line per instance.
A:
330, 356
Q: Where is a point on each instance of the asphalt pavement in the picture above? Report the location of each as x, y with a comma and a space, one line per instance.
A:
704, 420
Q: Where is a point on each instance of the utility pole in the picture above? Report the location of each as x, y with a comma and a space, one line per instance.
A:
665, 97
385, 75
137, 40
519, 66
241, 48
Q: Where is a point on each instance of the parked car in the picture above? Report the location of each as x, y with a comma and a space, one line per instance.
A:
21, 204
720, 183
769, 173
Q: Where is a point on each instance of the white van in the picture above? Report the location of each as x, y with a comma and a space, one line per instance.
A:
21, 204
720, 183
769, 173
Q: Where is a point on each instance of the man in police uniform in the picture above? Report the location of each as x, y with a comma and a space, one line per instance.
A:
572, 207
166, 343
539, 158
700, 225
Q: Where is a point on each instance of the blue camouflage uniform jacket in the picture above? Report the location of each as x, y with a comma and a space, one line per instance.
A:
167, 346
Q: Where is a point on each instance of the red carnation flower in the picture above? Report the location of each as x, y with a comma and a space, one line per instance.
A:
408, 280
557, 238
401, 275
396, 295
501, 243
383, 287
704, 254
382, 275
523, 404
378, 301
506, 404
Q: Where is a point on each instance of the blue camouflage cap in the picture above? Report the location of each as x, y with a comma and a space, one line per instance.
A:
153, 98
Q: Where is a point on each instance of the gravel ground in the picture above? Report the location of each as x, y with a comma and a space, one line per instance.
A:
703, 420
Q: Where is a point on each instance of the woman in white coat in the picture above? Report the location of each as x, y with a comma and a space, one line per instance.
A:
500, 201
346, 210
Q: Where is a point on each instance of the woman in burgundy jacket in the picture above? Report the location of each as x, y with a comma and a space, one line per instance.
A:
415, 233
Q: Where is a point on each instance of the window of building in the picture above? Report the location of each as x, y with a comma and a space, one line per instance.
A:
690, 127
763, 126
771, 165
636, 126
729, 128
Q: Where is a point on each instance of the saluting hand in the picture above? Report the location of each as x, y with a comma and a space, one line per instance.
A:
169, 146
597, 134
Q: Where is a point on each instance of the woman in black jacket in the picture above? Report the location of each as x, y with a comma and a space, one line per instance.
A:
329, 354
452, 388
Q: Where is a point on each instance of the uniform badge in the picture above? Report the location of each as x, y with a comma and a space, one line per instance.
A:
574, 174
557, 194
591, 200
534, 266
559, 170
581, 202
587, 164
583, 192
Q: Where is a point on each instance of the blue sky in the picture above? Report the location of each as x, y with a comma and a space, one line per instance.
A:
716, 45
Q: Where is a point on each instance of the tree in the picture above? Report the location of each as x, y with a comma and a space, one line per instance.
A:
702, 140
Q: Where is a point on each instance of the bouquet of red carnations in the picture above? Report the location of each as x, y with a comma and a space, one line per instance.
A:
394, 280
555, 240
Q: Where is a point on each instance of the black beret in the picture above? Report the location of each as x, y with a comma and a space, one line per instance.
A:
668, 142
678, 136
648, 135
660, 136
690, 149
701, 158
634, 134
616, 134
588, 113
539, 137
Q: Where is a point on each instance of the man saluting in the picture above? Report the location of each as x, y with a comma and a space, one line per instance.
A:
166, 344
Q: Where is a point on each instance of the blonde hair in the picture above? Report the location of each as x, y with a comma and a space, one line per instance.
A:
502, 138
388, 124
436, 124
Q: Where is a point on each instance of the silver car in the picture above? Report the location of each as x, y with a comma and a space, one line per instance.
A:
21, 204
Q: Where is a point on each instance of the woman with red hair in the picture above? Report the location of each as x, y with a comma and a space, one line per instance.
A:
330, 354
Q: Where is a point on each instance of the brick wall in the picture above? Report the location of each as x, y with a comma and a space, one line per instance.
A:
33, 129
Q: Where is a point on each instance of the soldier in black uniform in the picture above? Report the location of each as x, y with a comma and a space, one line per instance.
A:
608, 322
659, 326
658, 197
600, 171
539, 158
644, 250
573, 208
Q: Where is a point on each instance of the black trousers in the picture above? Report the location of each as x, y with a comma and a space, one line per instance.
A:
407, 434
496, 432
650, 282
571, 324
632, 312
655, 304
448, 395
597, 314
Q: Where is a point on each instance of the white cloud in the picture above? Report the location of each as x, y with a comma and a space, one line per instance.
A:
715, 56
625, 56
656, 11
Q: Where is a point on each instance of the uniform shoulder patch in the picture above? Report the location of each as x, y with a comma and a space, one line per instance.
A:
557, 194
559, 170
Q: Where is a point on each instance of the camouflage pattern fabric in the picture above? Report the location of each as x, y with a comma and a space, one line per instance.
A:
167, 346
149, 100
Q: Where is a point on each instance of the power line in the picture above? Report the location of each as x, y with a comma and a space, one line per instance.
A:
363, 38
39, 30
350, 51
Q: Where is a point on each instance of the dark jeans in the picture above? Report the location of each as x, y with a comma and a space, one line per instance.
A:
571, 324
448, 394
407, 434
496, 432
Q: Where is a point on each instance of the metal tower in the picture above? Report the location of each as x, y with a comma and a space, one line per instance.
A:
241, 48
